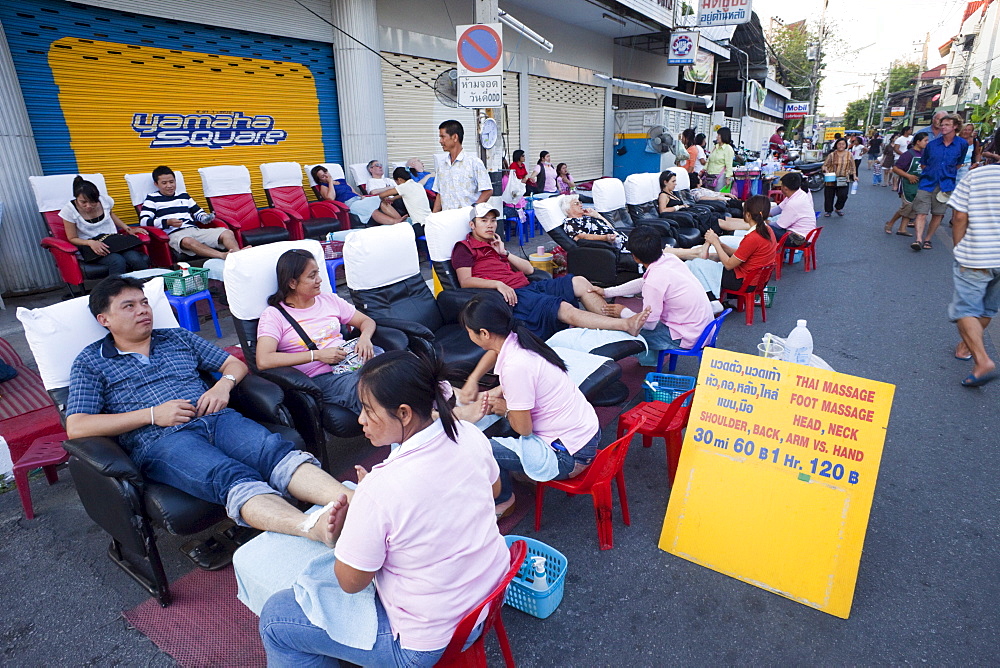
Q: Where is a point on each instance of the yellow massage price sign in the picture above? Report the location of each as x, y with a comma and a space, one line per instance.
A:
777, 474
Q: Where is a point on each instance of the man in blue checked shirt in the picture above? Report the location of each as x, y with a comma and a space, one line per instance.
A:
143, 386
939, 167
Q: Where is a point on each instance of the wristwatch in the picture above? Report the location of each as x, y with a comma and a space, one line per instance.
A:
229, 376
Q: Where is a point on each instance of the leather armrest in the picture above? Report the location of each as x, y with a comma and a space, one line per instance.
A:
231, 224
273, 217
288, 212
390, 338
105, 456
451, 302
258, 398
324, 209
58, 244
154, 232
408, 327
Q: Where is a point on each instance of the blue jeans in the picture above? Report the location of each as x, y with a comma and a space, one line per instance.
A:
119, 263
290, 639
222, 458
658, 338
508, 461
340, 389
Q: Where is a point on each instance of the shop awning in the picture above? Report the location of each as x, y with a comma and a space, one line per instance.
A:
668, 92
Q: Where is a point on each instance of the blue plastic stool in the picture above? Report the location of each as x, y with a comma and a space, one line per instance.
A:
530, 220
187, 311
331, 270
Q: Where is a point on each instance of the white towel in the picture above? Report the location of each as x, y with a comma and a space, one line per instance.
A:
537, 458
585, 340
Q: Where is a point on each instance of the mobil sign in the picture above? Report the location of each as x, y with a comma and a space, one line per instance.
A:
796, 109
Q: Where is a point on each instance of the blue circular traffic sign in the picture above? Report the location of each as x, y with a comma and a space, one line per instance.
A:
480, 49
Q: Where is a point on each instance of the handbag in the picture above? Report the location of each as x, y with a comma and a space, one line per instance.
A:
713, 181
116, 243
352, 362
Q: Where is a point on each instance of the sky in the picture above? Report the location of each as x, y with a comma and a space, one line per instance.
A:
878, 32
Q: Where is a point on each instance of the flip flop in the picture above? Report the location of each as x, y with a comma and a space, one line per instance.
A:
927, 245
209, 555
964, 359
915, 245
973, 381
904, 234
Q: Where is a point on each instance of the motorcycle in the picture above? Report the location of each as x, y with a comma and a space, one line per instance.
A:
812, 172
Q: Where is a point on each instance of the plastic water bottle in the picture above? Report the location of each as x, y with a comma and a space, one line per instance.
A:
800, 344
854, 188
540, 582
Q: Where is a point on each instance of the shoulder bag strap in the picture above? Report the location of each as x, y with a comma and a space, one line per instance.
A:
298, 328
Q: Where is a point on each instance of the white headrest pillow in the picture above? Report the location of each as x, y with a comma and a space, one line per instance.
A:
359, 172
53, 192
444, 229
281, 174
225, 180
639, 188
379, 256
549, 212
56, 334
683, 180
336, 171
609, 194
140, 185
250, 275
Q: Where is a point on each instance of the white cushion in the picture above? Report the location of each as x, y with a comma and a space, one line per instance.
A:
140, 185
225, 180
379, 256
359, 172
640, 188
281, 174
250, 277
444, 229
683, 179
56, 334
609, 195
549, 212
336, 171
53, 192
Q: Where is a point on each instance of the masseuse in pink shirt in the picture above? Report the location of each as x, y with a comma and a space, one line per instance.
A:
535, 394
433, 550
679, 307
797, 213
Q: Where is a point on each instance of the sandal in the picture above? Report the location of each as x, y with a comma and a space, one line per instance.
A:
840, 213
888, 228
927, 245
915, 245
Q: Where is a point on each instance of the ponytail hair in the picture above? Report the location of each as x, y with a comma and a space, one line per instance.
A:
398, 377
489, 311
83, 187
758, 208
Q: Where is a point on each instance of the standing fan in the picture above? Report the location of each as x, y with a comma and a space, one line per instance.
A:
446, 88
658, 140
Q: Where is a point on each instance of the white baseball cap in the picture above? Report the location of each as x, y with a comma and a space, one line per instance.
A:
481, 210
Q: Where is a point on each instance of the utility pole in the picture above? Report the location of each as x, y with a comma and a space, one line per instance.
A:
484, 11
913, 105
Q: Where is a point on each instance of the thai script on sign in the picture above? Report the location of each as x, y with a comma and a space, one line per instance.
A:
723, 12
219, 130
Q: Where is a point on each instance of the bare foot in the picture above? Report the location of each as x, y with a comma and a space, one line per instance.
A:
329, 525
962, 351
505, 508
703, 254
635, 323
475, 411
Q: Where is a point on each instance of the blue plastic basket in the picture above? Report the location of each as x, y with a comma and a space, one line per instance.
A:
520, 594
668, 386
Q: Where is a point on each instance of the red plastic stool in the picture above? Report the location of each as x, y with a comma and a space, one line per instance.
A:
46, 452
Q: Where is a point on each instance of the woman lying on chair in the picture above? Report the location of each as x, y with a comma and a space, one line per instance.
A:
559, 430
433, 550
301, 328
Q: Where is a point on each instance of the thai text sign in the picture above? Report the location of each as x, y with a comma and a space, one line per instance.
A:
776, 476
723, 12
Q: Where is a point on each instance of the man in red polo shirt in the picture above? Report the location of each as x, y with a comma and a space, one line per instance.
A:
481, 261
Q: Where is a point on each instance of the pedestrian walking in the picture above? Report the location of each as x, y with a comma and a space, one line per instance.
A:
976, 272
874, 153
941, 160
840, 163
888, 160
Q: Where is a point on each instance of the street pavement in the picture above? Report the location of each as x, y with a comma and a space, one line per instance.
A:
928, 585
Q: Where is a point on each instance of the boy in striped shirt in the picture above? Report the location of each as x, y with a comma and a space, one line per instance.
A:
181, 218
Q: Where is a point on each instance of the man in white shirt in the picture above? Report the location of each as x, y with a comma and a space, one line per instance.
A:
463, 179
377, 182
413, 194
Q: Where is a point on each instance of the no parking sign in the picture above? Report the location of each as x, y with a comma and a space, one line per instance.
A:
479, 54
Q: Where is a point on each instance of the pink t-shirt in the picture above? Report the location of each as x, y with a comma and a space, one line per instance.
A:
797, 213
677, 299
321, 322
558, 408
424, 521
